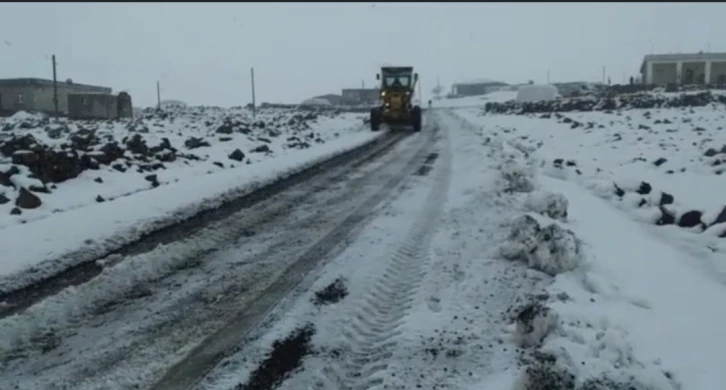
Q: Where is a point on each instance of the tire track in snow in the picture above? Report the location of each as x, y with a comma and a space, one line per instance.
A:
374, 322
201, 360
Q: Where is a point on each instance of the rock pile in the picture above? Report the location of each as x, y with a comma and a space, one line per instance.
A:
37, 153
592, 103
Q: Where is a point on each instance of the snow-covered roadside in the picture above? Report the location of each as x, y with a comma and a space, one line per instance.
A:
621, 306
98, 226
638, 302
663, 167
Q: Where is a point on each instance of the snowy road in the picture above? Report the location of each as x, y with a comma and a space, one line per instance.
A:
426, 293
456, 260
180, 308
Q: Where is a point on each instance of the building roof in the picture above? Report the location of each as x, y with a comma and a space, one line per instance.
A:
37, 81
701, 56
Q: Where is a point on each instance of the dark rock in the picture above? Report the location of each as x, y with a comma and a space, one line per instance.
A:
52, 166
164, 151
98, 180
690, 219
137, 144
237, 155
261, 149
5, 176
710, 152
15, 211
100, 199
27, 200
644, 188
619, 191
83, 139
153, 180
4, 199
109, 153
89, 162
659, 162
225, 128
194, 143
665, 198
15, 143
217, 163
666, 218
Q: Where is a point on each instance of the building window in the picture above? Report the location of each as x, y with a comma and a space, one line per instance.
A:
85, 101
20, 98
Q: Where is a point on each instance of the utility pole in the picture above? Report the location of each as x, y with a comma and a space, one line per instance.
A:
55, 88
363, 84
252, 76
603, 74
548, 76
158, 96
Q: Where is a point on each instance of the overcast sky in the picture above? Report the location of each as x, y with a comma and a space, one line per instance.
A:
202, 52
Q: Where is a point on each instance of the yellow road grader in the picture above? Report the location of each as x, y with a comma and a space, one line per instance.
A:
398, 84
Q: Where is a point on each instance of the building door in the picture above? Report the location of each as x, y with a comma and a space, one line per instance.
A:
688, 79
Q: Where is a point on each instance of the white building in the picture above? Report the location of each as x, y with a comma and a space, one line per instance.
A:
694, 68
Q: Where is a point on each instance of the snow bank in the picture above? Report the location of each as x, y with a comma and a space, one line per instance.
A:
133, 205
544, 246
536, 93
637, 305
549, 204
641, 308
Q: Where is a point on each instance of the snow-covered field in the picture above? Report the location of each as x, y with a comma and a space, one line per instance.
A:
75, 184
638, 298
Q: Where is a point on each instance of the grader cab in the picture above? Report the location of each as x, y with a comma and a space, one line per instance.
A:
398, 85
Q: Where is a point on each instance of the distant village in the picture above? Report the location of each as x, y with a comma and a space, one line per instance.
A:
82, 101
366, 97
